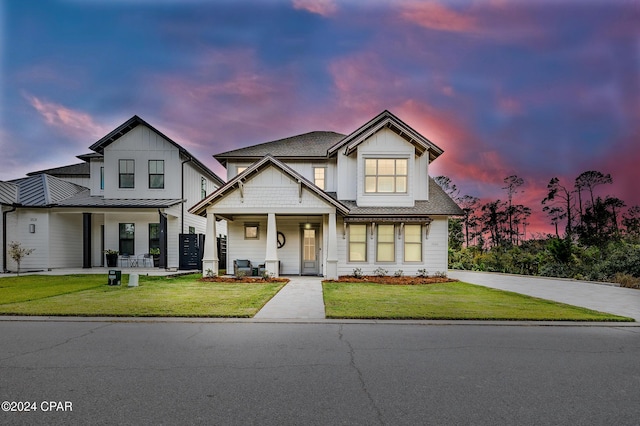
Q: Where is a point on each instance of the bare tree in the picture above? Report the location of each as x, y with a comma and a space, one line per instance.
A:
563, 199
17, 253
513, 182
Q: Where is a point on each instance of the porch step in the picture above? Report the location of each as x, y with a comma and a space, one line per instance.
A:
300, 298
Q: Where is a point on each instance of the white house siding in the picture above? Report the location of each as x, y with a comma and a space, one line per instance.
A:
141, 222
192, 195
18, 230
385, 144
272, 192
142, 144
434, 251
347, 169
255, 250
65, 240
94, 168
97, 245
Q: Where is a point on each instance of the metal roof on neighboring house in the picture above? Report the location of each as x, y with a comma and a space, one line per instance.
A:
43, 190
307, 145
8, 193
84, 199
80, 169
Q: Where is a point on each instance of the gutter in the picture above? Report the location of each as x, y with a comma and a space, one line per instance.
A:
4, 238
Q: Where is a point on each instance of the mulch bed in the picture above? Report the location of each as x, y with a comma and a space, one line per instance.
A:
244, 280
392, 280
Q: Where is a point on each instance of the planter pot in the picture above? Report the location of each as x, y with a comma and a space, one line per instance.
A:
156, 261
112, 260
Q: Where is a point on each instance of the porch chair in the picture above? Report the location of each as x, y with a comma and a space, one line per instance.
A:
242, 265
147, 260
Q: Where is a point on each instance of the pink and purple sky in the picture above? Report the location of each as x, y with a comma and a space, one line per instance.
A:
538, 89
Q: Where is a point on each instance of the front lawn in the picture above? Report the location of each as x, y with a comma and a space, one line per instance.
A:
88, 295
446, 301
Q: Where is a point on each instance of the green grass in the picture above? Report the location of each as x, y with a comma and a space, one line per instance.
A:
450, 301
88, 295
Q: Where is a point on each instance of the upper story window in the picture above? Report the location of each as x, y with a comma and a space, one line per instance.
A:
156, 174
126, 170
385, 175
319, 177
101, 177
203, 188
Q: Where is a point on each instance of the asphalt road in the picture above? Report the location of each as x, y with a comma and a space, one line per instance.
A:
319, 374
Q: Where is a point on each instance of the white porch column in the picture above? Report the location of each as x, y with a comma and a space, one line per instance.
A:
210, 259
271, 263
332, 249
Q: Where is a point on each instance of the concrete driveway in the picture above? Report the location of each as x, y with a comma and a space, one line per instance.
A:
600, 297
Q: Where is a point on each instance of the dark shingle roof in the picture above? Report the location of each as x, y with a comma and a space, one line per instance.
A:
439, 203
307, 145
80, 169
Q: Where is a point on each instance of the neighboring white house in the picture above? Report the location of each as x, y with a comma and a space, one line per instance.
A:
326, 204
129, 194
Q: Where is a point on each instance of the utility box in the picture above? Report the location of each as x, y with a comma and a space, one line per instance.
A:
115, 277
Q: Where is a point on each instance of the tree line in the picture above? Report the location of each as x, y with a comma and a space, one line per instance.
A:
594, 238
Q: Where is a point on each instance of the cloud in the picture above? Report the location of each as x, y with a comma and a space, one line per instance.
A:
320, 7
435, 16
76, 124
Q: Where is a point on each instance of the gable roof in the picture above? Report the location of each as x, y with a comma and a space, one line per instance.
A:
390, 121
43, 190
256, 168
77, 170
305, 146
131, 124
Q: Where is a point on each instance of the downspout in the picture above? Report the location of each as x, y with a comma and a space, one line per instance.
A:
4, 238
182, 194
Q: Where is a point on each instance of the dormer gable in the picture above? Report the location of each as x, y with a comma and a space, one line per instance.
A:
386, 120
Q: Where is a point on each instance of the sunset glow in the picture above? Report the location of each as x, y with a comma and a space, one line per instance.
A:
537, 89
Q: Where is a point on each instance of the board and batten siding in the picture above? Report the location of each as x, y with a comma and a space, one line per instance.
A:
142, 144
18, 230
65, 240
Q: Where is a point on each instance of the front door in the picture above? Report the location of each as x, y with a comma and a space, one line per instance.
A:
309, 251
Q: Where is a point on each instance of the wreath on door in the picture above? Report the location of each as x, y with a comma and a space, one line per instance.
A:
281, 239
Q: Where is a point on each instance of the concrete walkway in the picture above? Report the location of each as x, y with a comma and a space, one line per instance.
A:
301, 298
599, 297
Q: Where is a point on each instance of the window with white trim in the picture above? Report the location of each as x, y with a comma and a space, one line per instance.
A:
357, 243
319, 177
386, 243
156, 174
412, 243
385, 175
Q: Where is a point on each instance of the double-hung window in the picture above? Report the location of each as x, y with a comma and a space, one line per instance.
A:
203, 188
357, 243
126, 170
156, 174
386, 250
385, 175
319, 177
412, 243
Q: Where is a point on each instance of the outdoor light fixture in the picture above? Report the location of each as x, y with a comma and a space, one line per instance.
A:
32, 228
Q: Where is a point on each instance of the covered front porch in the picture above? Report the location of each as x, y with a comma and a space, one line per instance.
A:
275, 244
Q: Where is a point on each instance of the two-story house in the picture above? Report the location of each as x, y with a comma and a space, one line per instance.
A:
323, 203
130, 194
